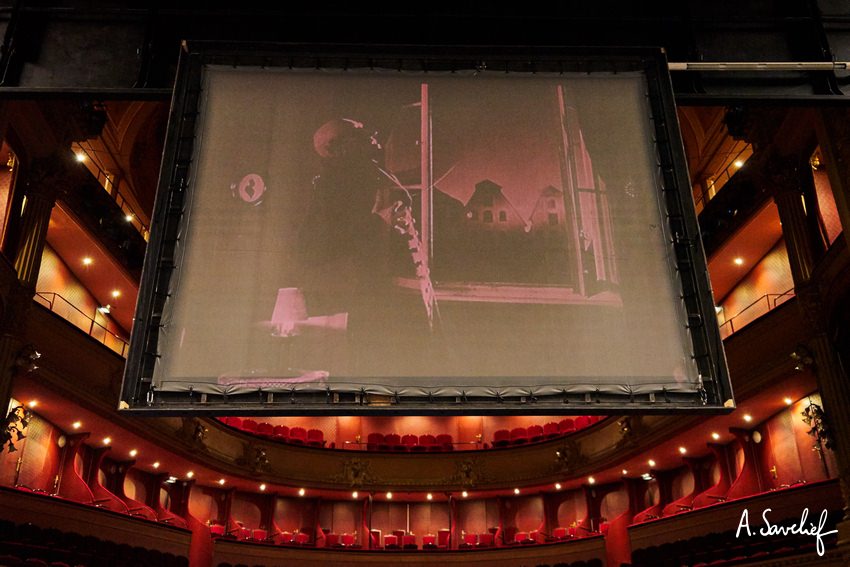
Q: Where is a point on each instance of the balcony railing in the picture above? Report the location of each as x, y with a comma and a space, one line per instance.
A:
68, 311
753, 311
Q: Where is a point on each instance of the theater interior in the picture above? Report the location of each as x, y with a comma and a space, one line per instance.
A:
84, 106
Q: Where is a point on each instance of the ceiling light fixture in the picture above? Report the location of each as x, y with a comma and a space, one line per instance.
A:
87, 261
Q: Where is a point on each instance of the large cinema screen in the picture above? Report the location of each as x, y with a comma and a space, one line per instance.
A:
332, 238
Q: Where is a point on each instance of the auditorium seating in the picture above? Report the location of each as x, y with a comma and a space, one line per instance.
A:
378, 441
32, 546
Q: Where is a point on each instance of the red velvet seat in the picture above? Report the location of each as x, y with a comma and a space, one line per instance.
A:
535, 433
233, 422
217, 530
410, 442
347, 540
551, 430
501, 438
259, 534
391, 541
265, 429
281, 432
567, 425
393, 442
302, 539
519, 435
298, 435
444, 442
469, 540
249, 425
408, 541
485, 540
332, 540
427, 442
429, 540
582, 421
560, 533
374, 441
444, 537
521, 537
315, 438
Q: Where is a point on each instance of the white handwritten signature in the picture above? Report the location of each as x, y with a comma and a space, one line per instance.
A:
796, 529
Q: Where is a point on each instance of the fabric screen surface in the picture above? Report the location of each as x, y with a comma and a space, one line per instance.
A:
484, 233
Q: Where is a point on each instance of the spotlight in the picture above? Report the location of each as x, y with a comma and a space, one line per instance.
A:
87, 261
651, 462
301, 492
77, 424
788, 401
715, 436
107, 440
516, 490
156, 465
80, 157
389, 495
355, 495
429, 496
221, 482
262, 488
557, 486
591, 480
464, 494
190, 474
748, 418
682, 450
133, 452
738, 261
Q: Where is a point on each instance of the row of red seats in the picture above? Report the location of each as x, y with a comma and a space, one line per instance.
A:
411, 443
295, 435
259, 535
535, 433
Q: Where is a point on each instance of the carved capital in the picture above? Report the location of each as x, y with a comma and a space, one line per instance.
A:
468, 473
193, 432
355, 472
568, 457
48, 177
254, 458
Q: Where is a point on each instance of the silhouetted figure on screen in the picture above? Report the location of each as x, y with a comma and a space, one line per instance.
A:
355, 240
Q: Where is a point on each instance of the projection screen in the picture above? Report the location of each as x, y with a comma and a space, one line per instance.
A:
338, 239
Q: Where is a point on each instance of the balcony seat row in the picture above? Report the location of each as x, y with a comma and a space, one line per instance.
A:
285, 434
536, 433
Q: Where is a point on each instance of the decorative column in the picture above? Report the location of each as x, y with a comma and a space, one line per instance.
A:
45, 180
44, 183
821, 351
833, 132
783, 176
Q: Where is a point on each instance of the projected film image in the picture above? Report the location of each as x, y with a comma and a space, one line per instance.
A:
402, 232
